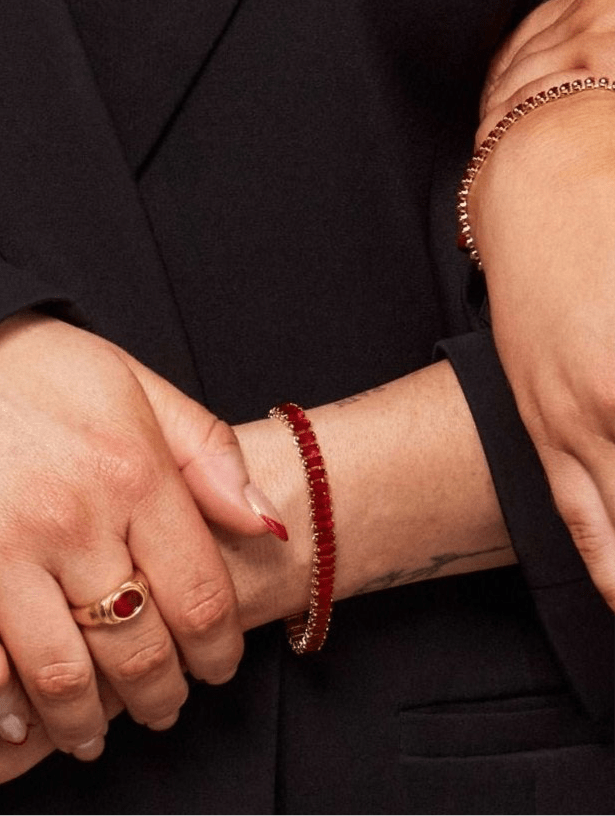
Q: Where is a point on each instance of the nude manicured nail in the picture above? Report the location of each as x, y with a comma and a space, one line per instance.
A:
264, 508
13, 729
90, 750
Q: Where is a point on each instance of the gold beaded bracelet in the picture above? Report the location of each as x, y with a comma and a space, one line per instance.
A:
307, 631
465, 240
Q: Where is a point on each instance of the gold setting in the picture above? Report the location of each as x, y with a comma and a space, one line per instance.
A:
465, 238
101, 612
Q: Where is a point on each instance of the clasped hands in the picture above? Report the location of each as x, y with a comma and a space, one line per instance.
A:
541, 212
106, 466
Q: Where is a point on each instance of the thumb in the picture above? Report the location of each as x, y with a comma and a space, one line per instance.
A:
208, 454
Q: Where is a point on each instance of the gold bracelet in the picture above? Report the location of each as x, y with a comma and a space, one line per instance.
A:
465, 240
307, 631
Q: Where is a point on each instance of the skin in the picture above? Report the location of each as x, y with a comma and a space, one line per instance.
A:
380, 506
95, 479
542, 216
546, 330
445, 506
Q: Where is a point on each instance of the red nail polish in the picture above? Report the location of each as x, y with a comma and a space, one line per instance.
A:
279, 530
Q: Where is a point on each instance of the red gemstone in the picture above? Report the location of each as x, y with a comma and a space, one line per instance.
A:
326, 561
321, 502
292, 411
127, 603
325, 525
325, 550
310, 450
325, 538
321, 516
299, 425
320, 488
317, 473
316, 461
325, 572
306, 438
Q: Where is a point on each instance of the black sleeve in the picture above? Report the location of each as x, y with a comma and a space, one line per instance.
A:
577, 621
21, 290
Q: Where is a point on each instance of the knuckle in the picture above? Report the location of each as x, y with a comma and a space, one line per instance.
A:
127, 468
62, 682
219, 438
62, 512
588, 536
147, 661
205, 608
588, 541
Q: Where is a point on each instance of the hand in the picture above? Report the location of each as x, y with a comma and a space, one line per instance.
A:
92, 453
541, 210
394, 524
560, 41
16, 759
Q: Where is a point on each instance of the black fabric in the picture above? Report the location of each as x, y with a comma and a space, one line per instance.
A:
257, 200
579, 623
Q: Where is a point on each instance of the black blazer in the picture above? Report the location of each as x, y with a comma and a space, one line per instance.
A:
256, 199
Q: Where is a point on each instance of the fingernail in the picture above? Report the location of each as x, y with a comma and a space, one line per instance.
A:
90, 750
164, 723
13, 729
264, 508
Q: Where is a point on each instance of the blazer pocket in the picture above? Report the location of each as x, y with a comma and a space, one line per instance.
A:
487, 727
516, 755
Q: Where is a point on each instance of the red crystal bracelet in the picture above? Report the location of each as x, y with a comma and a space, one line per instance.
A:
307, 631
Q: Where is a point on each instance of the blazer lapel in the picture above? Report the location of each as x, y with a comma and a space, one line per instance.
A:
70, 211
146, 57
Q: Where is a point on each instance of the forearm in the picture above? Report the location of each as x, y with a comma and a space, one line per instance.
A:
412, 496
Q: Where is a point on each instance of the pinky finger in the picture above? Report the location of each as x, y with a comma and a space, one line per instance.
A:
584, 504
15, 711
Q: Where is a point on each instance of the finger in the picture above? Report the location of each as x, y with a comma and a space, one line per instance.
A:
189, 580
587, 506
216, 475
52, 659
590, 54
137, 656
15, 712
17, 759
542, 19
207, 452
140, 661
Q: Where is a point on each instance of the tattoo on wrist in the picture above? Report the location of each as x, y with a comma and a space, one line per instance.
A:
357, 397
409, 576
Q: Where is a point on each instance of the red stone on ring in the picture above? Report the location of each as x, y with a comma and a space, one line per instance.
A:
127, 603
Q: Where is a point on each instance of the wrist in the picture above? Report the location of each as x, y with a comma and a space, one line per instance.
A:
407, 478
272, 578
544, 184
